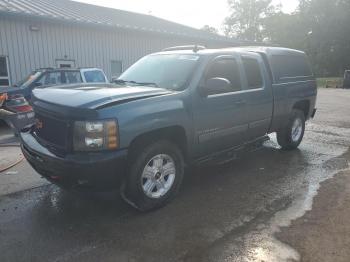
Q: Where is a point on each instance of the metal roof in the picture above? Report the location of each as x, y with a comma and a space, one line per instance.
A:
71, 11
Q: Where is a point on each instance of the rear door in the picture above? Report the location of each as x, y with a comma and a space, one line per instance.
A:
220, 119
259, 97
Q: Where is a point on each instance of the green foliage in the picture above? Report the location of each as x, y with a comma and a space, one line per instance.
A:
329, 43
245, 21
330, 82
319, 27
210, 29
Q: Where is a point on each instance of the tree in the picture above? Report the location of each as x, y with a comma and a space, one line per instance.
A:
286, 30
210, 29
318, 27
329, 37
245, 20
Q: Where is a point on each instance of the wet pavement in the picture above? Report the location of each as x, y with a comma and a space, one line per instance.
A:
15, 173
222, 213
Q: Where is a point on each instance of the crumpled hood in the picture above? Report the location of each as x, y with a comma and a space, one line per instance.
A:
11, 90
91, 97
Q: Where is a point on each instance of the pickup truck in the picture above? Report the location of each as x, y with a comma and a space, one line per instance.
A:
46, 77
182, 106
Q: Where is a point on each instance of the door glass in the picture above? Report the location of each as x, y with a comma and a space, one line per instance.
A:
226, 68
52, 78
253, 73
73, 77
94, 76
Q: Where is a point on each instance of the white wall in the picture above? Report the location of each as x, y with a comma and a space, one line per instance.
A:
88, 46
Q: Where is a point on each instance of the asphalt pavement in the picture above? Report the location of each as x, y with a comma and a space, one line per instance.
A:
223, 213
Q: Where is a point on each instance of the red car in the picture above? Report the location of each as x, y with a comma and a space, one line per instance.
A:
16, 111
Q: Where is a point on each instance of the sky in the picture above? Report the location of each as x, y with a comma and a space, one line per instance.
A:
194, 13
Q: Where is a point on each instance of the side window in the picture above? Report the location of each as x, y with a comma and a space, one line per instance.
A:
94, 76
52, 78
226, 68
73, 77
253, 73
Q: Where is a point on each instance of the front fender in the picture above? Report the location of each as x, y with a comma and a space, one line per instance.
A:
140, 117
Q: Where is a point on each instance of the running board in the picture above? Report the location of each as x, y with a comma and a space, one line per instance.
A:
228, 155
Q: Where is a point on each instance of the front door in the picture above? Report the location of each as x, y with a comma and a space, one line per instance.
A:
219, 118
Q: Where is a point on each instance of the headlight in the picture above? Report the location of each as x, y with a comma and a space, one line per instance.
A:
95, 135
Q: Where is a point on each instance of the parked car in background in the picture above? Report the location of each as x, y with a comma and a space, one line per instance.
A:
180, 106
47, 77
16, 111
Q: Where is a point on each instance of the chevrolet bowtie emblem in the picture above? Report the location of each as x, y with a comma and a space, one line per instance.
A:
38, 124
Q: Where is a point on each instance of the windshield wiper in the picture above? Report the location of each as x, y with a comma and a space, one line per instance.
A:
121, 81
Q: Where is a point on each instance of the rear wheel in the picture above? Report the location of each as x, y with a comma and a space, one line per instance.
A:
290, 137
155, 175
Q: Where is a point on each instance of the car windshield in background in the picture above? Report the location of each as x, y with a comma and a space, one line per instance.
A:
166, 71
94, 76
27, 80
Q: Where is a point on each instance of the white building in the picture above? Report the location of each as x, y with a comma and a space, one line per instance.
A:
57, 33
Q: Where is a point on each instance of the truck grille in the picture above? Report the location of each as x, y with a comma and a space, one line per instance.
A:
52, 130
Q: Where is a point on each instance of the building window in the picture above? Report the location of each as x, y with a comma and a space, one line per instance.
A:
4, 71
65, 63
116, 68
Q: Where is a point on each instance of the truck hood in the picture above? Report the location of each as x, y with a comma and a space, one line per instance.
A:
91, 97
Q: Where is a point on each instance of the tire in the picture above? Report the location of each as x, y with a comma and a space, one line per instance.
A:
290, 137
155, 175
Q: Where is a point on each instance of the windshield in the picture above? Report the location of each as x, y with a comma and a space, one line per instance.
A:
170, 71
28, 80
94, 76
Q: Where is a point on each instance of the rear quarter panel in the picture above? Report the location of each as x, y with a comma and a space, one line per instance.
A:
286, 95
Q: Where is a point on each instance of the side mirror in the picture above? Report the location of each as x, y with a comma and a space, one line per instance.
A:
217, 85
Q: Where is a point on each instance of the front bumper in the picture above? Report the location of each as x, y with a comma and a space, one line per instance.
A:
100, 171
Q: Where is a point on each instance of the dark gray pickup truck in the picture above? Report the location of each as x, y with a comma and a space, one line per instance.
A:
181, 106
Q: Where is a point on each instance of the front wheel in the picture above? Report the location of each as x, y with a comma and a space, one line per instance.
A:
290, 137
155, 175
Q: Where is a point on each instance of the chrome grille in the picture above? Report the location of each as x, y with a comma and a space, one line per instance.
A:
51, 130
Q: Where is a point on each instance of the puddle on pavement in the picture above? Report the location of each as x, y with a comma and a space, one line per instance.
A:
261, 244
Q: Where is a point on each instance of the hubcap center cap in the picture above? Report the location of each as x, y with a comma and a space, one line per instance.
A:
158, 175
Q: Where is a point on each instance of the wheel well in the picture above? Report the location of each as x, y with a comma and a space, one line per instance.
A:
303, 106
175, 134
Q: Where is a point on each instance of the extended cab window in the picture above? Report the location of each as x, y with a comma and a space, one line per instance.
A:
252, 72
226, 68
